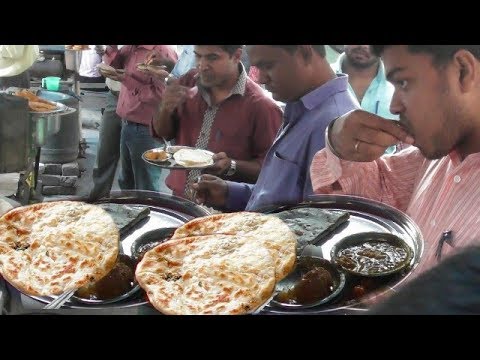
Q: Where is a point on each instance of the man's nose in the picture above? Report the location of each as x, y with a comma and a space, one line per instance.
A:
396, 106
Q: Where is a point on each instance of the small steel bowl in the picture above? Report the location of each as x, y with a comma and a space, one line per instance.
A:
149, 240
130, 293
365, 237
305, 264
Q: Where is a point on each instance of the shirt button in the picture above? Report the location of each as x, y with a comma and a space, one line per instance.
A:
457, 179
432, 222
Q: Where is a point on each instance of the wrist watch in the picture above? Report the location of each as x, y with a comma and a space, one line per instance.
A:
233, 168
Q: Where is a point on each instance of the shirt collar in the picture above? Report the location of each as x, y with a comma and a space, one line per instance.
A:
238, 88
316, 97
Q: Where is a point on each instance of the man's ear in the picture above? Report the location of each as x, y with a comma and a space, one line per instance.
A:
237, 55
306, 52
467, 69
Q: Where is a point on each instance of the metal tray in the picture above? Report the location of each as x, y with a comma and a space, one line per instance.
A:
171, 163
166, 211
365, 215
61, 109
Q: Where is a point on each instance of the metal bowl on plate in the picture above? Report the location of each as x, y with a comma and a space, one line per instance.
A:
314, 281
371, 254
149, 240
119, 284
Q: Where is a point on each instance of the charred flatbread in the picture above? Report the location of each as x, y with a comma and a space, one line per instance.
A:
312, 224
266, 230
53, 247
125, 216
216, 274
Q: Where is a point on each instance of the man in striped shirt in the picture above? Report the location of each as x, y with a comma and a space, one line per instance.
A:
435, 181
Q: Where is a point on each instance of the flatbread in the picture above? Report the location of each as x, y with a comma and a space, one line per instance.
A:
312, 224
266, 230
216, 274
193, 158
53, 247
125, 216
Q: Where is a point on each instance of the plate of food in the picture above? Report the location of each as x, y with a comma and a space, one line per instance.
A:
330, 223
220, 264
77, 47
147, 67
157, 155
183, 158
141, 218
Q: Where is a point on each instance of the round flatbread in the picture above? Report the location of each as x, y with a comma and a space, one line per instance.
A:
193, 158
217, 274
266, 230
53, 247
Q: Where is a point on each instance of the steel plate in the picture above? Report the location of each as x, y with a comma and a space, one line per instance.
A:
171, 163
365, 216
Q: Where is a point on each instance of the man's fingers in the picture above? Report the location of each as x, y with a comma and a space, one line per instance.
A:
367, 152
391, 127
376, 137
218, 156
207, 177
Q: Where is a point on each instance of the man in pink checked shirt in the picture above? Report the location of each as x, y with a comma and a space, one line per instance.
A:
435, 181
140, 96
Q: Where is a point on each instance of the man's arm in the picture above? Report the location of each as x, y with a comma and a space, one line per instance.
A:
12, 51
165, 123
389, 179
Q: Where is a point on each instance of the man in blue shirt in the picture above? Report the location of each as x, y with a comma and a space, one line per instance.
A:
300, 76
367, 81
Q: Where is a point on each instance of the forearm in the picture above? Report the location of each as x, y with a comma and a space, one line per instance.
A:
164, 124
11, 51
389, 179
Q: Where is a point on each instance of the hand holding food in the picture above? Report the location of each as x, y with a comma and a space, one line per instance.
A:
363, 136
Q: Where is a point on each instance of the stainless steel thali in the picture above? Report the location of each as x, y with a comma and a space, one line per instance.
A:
171, 163
166, 211
365, 215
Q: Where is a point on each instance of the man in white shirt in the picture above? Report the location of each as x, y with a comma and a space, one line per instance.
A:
108, 148
15, 60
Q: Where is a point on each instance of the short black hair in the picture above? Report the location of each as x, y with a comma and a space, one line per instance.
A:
441, 54
319, 49
230, 49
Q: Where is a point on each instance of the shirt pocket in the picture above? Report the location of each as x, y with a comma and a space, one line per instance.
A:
287, 179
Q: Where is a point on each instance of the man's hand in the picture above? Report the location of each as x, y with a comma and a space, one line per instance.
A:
157, 71
117, 75
363, 136
220, 166
173, 97
211, 191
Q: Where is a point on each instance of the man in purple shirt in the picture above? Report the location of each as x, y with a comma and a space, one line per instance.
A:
300, 76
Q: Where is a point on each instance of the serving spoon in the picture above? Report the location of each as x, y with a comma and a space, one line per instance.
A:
60, 300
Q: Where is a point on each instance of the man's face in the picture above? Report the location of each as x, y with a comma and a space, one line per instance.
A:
279, 70
215, 65
360, 56
426, 99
